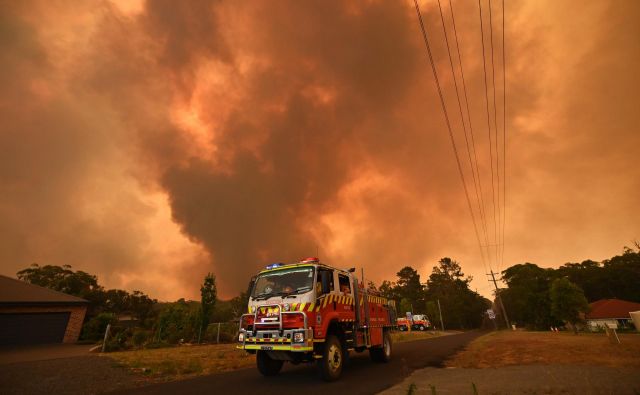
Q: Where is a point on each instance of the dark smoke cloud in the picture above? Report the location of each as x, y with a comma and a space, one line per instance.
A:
266, 131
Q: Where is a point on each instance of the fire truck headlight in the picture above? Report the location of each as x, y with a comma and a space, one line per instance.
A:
253, 309
241, 337
286, 307
298, 337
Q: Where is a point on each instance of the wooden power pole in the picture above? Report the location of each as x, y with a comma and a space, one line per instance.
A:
495, 284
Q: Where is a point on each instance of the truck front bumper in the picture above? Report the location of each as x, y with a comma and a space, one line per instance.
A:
274, 341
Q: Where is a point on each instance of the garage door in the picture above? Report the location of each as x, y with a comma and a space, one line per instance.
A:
33, 328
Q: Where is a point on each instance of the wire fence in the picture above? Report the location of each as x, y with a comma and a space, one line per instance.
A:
126, 337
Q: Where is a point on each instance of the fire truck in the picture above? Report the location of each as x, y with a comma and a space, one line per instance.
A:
416, 322
312, 312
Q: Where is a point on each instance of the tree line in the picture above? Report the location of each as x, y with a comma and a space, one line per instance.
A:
137, 319
461, 307
538, 298
535, 297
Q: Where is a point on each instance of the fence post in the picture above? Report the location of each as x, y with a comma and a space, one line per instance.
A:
218, 335
106, 335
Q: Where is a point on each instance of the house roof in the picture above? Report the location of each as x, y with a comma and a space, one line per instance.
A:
17, 292
611, 308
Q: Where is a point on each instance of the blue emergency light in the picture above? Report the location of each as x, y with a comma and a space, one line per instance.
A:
274, 265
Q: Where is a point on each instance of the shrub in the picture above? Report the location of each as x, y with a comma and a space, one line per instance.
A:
140, 337
94, 328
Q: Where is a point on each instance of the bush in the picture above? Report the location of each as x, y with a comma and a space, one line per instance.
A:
140, 337
94, 328
228, 332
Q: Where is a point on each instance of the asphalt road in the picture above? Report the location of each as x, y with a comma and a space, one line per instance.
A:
359, 376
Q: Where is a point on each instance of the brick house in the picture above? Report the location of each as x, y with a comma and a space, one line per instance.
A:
614, 313
30, 314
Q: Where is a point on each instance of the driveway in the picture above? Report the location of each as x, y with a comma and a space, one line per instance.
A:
41, 352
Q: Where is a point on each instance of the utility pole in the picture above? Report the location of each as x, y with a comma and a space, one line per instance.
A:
440, 310
495, 284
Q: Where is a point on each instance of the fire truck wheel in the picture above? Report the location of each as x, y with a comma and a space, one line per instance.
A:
266, 365
421, 327
382, 354
402, 328
330, 365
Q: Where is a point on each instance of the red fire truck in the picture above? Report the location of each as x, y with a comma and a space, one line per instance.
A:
416, 322
312, 312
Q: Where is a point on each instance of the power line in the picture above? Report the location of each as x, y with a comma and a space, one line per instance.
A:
495, 127
486, 96
464, 128
504, 137
473, 143
446, 116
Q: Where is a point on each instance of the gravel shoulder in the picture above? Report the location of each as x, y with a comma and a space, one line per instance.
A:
77, 375
531, 379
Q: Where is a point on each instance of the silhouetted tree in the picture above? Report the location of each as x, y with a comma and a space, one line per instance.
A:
208, 293
568, 302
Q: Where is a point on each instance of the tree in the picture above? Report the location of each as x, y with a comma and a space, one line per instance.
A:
405, 306
527, 296
208, 293
409, 287
60, 278
85, 285
387, 289
462, 308
568, 302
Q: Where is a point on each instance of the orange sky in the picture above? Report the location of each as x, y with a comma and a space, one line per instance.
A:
151, 143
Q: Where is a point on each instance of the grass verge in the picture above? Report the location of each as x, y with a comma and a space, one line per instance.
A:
174, 363
401, 337
506, 348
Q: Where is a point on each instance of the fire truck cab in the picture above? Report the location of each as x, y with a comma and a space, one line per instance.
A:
312, 312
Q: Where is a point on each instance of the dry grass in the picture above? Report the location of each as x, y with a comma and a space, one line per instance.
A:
185, 361
523, 348
401, 337
174, 363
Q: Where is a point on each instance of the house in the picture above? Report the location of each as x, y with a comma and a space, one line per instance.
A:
30, 314
611, 312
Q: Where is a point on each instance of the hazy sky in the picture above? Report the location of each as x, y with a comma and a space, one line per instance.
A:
151, 143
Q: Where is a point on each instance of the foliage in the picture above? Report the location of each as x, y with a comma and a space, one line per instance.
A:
208, 293
237, 306
178, 322
60, 278
527, 298
614, 278
405, 306
409, 287
85, 285
94, 328
461, 307
567, 301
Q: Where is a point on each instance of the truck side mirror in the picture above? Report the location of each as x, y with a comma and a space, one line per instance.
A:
325, 278
250, 287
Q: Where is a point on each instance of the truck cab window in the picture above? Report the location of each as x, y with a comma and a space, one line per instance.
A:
345, 287
324, 273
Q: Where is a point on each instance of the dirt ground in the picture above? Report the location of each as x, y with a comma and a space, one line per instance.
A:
520, 362
507, 348
521, 380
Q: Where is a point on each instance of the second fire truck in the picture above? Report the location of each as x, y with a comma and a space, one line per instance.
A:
312, 312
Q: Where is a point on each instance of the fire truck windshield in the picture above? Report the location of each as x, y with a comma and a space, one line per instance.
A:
283, 282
